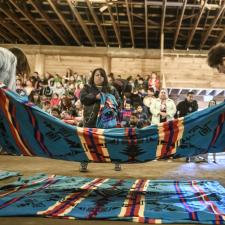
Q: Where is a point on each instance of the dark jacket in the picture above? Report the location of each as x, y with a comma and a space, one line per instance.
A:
92, 105
185, 107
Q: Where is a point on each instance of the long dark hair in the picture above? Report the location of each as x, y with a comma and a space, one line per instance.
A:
22, 66
105, 85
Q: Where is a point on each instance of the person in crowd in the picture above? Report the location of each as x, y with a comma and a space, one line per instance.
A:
35, 98
126, 113
142, 117
189, 105
55, 100
148, 100
216, 57
20, 89
154, 83
90, 98
133, 121
136, 98
47, 107
8, 62
163, 108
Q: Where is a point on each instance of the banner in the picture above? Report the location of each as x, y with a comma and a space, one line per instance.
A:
26, 129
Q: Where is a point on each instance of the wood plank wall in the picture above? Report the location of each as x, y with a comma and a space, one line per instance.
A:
181, 69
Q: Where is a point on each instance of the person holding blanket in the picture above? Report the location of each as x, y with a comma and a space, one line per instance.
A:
90, 96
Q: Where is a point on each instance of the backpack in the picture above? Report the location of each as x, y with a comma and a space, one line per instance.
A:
107, 115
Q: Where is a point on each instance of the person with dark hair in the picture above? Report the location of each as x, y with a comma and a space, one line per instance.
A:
187, 106
22, 68
216, 57
90, 97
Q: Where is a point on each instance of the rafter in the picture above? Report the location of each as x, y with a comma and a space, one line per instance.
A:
27, 15
81, 22
114, 24
163, 20
221, 36
5, 36
130, 24
97, 22
179, 23
37, 7
16, 20
64, 22
196, 24
13, 32
212, 25
146, 25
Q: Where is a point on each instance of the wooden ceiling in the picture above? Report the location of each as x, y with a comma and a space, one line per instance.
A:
185, 24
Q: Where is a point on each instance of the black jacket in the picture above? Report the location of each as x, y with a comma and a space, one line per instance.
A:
92, 105
184, 108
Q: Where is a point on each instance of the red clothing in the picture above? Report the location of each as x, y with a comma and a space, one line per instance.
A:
54, 102
154, 84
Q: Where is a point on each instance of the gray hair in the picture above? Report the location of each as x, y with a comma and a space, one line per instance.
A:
8, 68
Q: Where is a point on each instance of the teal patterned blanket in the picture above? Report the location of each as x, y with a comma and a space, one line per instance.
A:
26, 129
144, 201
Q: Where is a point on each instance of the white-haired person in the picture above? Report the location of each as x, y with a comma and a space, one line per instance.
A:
8, 64
7, 70
163, 108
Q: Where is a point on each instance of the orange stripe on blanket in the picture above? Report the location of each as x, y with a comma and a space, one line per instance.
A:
93, 142
134, 203
4, 103
66, 205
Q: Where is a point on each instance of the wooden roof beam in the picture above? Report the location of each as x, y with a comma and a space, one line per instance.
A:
97, 22
179, 23
146, 25
70, 29
81, 22
16, 20
26, 14
191, 35
163, 15
220, 38
130, 24
37, 7
114, 24
6, 37
13, 32
212, 25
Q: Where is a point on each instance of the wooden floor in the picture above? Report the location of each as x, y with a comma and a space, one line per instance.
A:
175, 170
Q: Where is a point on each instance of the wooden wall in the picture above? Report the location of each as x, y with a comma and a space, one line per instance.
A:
180, 69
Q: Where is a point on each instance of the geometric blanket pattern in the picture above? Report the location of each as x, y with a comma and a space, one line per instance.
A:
27, 130
7, 174
144, 201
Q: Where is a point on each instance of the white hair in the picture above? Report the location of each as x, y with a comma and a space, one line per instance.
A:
8, 68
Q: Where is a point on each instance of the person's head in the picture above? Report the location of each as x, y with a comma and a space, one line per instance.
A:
212, 103
18, 82
127, 106
139, 109
29, 83
190, 96
153, 75
151, 92
98, 78
22, 67
133, 120
163, 94
216, 57
8, 68
55, 95
55, 112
